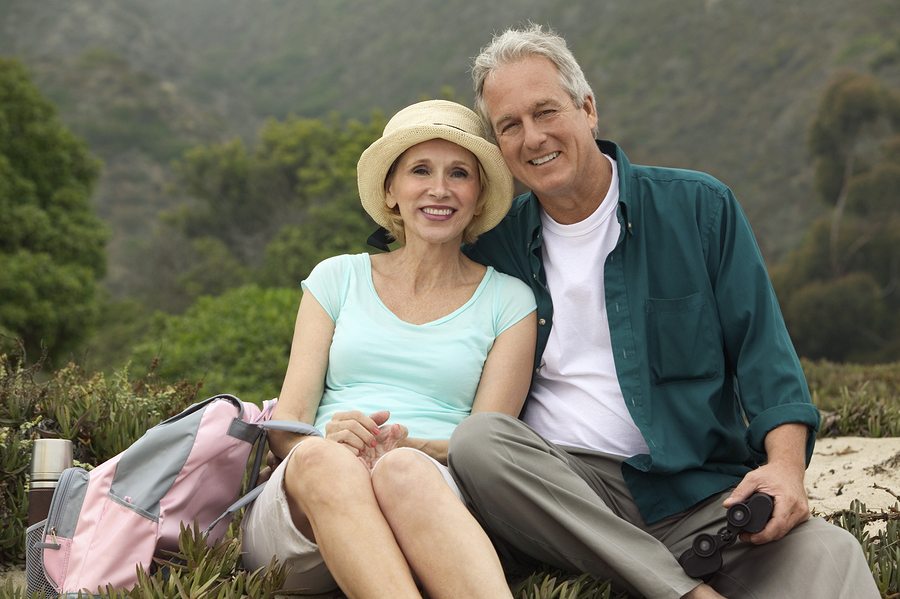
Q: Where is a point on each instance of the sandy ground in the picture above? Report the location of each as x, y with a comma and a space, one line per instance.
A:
847, 468
842, 469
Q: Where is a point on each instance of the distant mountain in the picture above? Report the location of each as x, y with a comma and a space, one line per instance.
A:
726, 86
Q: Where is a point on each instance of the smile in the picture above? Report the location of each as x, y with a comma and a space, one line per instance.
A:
437, 211
544, 159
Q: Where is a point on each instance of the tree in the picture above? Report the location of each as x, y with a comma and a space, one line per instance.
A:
829, 318
841, 288
244, 197
236, 343
850, 112
51, 242
295, 190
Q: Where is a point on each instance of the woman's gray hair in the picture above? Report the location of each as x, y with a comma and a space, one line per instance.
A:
514, 45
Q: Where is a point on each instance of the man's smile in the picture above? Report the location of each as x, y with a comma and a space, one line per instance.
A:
544, 159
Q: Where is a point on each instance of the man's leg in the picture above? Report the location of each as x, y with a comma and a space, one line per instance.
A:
557, 508
816, 559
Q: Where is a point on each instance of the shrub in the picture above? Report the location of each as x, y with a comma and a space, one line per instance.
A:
103, 415
237, 343
100, 415
855, 400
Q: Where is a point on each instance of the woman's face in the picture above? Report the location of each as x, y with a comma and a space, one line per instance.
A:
435, 186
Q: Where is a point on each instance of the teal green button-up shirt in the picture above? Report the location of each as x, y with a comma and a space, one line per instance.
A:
702, 354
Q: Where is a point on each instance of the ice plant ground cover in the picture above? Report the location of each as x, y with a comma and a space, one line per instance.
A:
852, 482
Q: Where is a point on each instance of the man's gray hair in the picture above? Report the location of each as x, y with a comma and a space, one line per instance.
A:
514, 45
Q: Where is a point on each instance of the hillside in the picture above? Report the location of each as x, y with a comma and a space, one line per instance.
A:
726, 86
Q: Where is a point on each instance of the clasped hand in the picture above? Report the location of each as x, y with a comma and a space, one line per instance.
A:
368, 437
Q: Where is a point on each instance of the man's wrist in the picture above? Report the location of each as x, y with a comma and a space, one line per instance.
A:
786, 445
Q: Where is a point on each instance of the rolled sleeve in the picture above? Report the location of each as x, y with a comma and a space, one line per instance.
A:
786, 413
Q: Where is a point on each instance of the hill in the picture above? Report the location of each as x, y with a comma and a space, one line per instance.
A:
723, 86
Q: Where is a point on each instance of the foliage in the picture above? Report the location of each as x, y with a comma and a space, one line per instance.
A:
880, 548
196, 571
244, 197
856, 400
237, 343
51, 243
199, 571
732, 97
97, 406
101, 415
841, 288
836, 318
547, 583
828, 379
267, 213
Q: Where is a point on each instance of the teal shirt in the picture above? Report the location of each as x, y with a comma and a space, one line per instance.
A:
427, 374
702, 354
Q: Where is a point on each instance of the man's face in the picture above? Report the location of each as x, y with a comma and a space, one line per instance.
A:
546, 140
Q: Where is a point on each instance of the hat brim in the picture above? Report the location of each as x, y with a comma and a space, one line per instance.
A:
376, 160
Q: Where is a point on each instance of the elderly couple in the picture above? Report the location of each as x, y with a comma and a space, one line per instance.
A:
613, 334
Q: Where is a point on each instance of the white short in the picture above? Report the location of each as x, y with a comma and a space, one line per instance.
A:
268, 530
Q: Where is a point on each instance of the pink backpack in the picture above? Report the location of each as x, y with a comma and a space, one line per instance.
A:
187, 469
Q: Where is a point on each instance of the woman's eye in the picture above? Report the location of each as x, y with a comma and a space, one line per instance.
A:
420, 170
459, 173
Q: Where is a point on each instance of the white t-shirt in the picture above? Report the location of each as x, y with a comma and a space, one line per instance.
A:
575, 397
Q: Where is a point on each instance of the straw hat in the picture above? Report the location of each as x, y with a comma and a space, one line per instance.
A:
430, 120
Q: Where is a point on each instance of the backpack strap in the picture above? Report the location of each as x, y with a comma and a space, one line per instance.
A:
293, 426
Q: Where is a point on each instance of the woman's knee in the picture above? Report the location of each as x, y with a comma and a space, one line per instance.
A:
403, 475
312, 467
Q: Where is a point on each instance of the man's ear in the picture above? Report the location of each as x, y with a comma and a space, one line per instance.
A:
590, 109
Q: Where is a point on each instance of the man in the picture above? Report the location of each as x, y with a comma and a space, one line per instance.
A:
666, 388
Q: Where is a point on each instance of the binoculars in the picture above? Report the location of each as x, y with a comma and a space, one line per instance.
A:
704, 558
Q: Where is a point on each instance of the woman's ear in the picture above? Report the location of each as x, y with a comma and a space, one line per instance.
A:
389, 200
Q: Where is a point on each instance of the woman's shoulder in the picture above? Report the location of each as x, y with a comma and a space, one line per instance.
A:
340, 271
510, 286
342, 263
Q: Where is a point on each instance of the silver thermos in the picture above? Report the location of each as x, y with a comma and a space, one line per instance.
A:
48, 459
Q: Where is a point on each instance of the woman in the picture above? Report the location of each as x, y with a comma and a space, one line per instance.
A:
422, 336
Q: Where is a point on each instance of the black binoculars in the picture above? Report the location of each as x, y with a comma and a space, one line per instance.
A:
704, 558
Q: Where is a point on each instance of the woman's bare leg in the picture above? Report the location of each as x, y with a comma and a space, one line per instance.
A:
330, 495
444, 544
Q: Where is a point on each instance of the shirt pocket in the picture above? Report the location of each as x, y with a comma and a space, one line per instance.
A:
682, 338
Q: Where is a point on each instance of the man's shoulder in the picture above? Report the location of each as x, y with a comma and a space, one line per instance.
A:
670, 191
671, 177
520, 221
504, 246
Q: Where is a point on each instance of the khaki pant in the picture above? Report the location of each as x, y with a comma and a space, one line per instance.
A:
570, 508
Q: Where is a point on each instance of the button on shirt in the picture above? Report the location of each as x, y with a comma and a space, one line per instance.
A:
702, 355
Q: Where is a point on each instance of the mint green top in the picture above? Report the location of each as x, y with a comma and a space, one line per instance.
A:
702, 354
426, 374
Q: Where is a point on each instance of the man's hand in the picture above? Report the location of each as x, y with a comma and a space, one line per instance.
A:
782, 478
265, 472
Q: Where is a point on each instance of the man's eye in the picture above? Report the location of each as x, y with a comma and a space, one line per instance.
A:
546, 113
509, 128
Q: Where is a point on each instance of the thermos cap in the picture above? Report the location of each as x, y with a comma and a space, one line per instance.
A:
49, 458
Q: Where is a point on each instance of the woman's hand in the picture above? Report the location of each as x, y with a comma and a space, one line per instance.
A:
355, 430
390, 437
